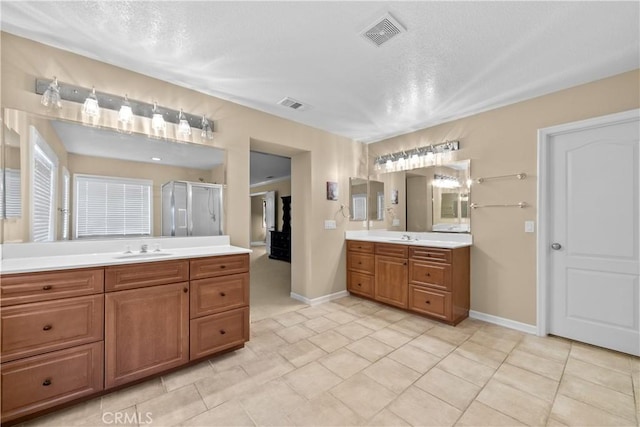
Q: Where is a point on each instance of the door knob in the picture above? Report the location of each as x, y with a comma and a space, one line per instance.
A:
556, 246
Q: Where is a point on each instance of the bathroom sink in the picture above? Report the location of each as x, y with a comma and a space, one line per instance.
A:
142, 255
402, 240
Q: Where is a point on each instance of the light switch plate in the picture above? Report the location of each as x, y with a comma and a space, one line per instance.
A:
395, 222
329, 224
529, 227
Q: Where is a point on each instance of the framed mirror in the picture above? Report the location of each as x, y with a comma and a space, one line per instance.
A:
77, 182
366, 198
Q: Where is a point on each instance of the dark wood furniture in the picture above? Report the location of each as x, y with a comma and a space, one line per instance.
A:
281, 240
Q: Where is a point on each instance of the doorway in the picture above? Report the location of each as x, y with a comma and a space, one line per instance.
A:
589, 231
270, 181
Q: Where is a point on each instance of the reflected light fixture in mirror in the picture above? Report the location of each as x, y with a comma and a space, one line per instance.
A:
207, 132
416, 158
91, 107
51, 97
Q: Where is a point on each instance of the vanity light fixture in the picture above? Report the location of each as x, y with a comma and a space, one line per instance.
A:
51, 97
207, 132
156, 159
157, 121
184, 128
444, 181
93, 102
91, 107
125, 114
418, 157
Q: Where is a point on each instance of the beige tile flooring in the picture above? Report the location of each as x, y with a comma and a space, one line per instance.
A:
356, 362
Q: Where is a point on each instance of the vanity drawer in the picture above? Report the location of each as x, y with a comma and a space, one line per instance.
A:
32, 287
390, 249
132, 276
219, 266
430, 254
40, 327
433, 303
360, 246
364, 263
40, 382
211, 334
217, 294
359, 283
430, 274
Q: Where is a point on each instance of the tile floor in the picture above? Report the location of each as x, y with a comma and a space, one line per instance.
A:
355, 362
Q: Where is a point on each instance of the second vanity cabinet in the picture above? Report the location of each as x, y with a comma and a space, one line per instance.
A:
430, 281
73, 333
147, 325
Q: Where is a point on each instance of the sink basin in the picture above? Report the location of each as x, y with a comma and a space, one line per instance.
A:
143, 255
402, 240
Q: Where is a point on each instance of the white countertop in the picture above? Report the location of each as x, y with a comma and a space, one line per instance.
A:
433, 240
68, 255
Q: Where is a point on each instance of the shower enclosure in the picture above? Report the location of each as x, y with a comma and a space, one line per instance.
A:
191, 209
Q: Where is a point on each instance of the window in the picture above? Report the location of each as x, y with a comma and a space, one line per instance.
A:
111, 207
359, 205
44, 171
64, 211
11, 200
380, 206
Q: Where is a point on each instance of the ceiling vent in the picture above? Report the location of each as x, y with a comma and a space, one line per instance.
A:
383, 30
292, 103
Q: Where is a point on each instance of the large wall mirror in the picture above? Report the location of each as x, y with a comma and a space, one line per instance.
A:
433, 198
62, 180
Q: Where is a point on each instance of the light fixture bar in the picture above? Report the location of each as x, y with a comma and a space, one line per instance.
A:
114, 102
444, 147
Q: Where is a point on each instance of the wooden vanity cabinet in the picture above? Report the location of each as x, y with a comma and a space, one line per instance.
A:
439, 283
430, 281
146, 329
219, 304
391, 273
360, 268
52, 339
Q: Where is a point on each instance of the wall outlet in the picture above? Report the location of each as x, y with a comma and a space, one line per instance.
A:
364, 224
329, 224
395, 222
529, 227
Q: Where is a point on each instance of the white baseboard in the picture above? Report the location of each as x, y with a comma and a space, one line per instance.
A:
319, 300
259, 243
507, 323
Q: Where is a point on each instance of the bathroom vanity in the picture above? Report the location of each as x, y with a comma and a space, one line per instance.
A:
427, 275
78, 323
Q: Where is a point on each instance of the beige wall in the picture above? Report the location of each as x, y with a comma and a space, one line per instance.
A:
159, 174
318, 265
500, 142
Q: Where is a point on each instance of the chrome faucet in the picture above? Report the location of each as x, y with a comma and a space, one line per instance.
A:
406, 237
144, 248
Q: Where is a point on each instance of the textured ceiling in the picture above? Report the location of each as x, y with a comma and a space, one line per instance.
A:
455, 59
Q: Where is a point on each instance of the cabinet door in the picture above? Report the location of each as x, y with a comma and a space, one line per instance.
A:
391, 280
146, 331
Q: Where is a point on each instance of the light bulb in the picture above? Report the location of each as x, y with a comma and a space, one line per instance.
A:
157, 121
184, 128
51, 96
207, 132
125, 115
91, 107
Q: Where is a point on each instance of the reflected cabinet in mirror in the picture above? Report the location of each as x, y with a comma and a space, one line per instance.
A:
63, 180
366, 198
433, 198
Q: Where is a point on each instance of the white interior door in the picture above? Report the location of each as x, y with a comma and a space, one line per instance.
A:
270, 217
593, 233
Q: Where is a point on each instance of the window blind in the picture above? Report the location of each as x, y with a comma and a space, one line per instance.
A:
109, 206
66, 188
43, 193
359, 206
11, 203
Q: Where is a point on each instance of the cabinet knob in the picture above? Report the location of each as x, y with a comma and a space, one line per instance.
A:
222, 294
46, 288
428, 274
404, 263
359, 284
222, 332
359, 262
47, 327
46, 382
428, 302
185, 289
223, 266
